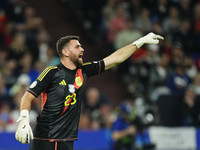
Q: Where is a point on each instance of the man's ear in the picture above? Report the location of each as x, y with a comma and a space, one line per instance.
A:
65, 52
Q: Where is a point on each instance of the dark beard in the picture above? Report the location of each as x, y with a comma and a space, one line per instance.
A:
76, 61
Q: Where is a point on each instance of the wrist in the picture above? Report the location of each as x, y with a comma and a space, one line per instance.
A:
138, 43
24, 115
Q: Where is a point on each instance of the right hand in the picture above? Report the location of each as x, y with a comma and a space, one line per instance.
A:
24, 131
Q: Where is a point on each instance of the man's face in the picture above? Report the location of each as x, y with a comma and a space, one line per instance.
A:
75, 52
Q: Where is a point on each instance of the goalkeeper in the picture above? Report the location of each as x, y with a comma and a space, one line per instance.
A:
61, 88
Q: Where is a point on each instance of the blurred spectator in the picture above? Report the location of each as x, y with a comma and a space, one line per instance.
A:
171, 23
197, 64
142, 22
151, 60
185, 36
116, 24
52, 58
33, 24
179, 80
196, 27
187, 107
94, 99
85, 122
6, 36
25, 63
177, 55
18, 46
108, 12
22, 84
160, 11
159, 75
197, 18
196, 83
186, 8
152, 57
104, 116
190, 68
43, 40
8, 72
15, 11
135, 8
156, 27
123, 132
128, 35
3, 56
5, 118
196, 112
4, 93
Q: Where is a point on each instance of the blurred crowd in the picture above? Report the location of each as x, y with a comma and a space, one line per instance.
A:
170, 69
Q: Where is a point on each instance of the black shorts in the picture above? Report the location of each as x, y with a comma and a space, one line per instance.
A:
47, 145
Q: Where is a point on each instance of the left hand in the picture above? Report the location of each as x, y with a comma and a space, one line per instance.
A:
150, 38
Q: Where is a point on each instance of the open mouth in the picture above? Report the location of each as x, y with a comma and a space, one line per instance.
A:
81, 56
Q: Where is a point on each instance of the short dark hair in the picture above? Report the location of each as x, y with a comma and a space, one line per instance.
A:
63, 41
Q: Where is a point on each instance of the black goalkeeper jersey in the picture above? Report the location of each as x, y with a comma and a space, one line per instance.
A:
61, 90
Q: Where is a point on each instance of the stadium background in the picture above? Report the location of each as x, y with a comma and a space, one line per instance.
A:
91, 20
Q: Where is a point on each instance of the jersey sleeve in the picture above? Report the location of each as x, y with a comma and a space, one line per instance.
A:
42, 81
93, 68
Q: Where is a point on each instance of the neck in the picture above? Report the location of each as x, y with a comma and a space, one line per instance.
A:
68, 64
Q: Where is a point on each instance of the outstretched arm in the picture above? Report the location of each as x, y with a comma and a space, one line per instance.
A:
125, 52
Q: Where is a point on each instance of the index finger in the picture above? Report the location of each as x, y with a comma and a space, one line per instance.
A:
159, 37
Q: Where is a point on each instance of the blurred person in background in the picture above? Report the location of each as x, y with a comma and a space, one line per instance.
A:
143, 22
52, 58
93, 99
31, 28
22, 84
160, 10
187, 107
15, 11
150, 60
18, 46
178, 80
196, 83
176, 55
185, 7
72, 74
4, 93
86, 122
130, 33
196, 26
43, 39
185, 36
7, 33
171, 23
3, 56
108, 12
123, 132
5, 118
27, 66
135, 8
116, 24
8, 72
190, 68
104, 116
158, 77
